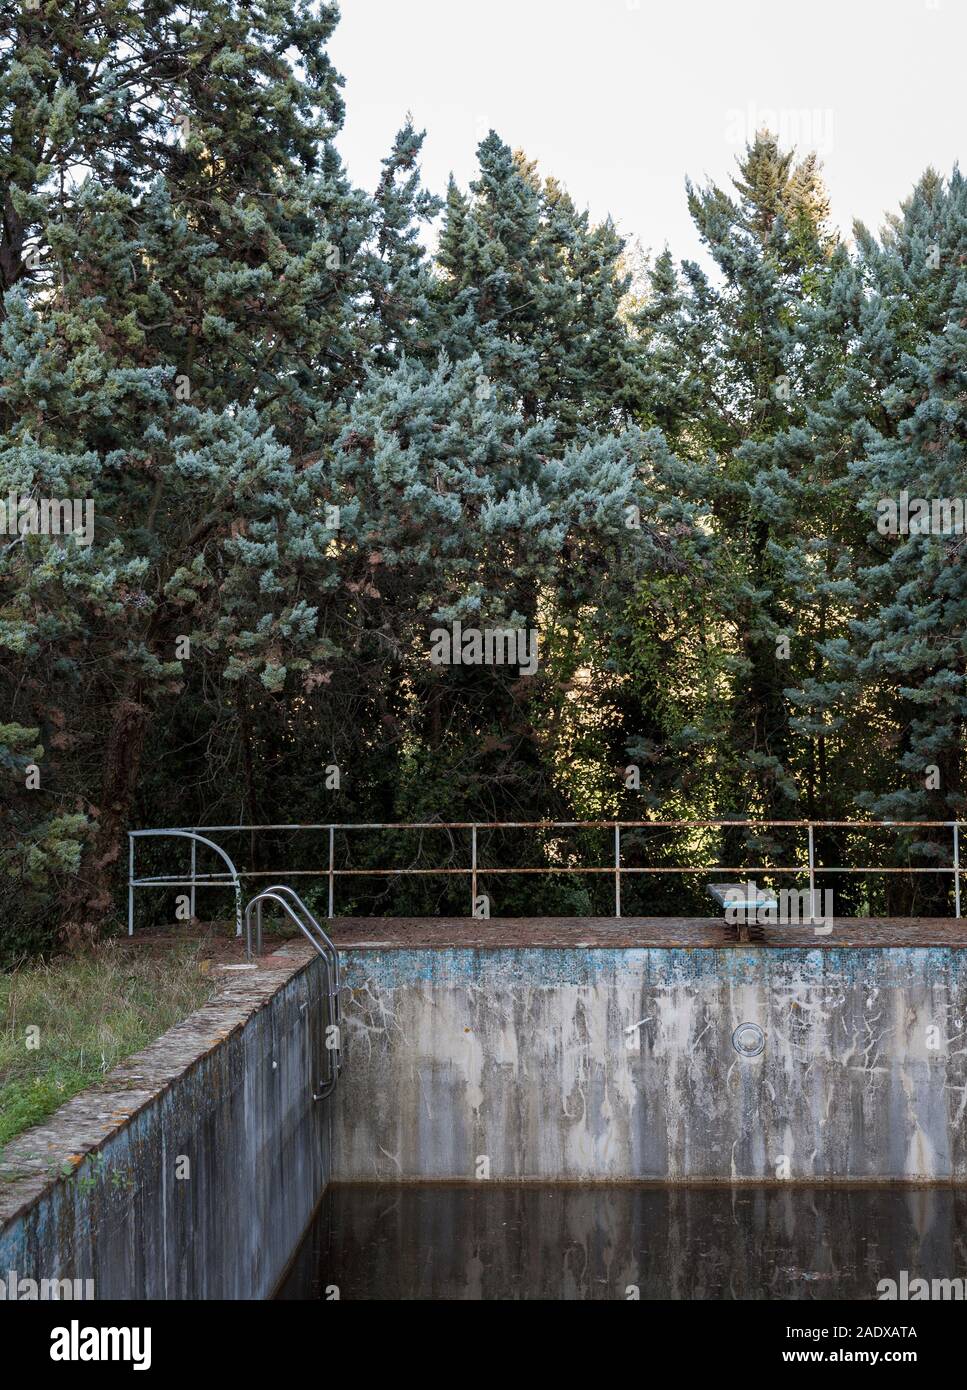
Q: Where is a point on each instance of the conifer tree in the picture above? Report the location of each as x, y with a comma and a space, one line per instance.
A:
728, 380
235, 356
310, 445
535, 291
901, 662
176, 349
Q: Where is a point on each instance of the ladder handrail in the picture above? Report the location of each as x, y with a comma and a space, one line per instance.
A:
290, 902
310, 920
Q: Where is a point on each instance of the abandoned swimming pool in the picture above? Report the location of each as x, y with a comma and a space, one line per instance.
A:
550, 1109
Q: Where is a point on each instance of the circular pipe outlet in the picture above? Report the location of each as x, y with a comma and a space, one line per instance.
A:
749, 1040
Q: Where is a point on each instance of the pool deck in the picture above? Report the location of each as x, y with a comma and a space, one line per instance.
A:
627, 933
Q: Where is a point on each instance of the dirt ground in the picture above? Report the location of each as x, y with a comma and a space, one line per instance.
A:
217, 942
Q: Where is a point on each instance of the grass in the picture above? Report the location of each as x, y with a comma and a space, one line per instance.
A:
84, 1016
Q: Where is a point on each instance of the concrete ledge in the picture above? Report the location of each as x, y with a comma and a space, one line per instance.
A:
557, 933
194, 1168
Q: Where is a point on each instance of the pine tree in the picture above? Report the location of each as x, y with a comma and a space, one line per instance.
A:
729, 381
178, 351
535, 291
403, 318
902, 661
236, 357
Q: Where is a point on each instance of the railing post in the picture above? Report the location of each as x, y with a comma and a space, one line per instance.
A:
332, 842
191, 900
130, 884
617, 869
473, 870
956, 868
812, 874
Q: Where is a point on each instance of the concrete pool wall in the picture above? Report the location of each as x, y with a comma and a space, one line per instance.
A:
615, 1065
195, 1169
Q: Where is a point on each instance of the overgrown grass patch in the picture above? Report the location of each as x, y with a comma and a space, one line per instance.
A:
65, 1024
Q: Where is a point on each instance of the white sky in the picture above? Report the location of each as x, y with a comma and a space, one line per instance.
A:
620, 99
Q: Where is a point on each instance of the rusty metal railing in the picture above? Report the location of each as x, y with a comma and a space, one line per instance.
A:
200, 834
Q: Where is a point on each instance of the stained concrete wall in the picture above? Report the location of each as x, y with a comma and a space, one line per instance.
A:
96, 1192
522, 1057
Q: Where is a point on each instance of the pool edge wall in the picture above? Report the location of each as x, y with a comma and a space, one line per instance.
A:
195, 1169
606, 1064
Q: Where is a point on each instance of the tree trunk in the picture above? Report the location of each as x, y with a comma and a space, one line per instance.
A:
90, 898
245, 736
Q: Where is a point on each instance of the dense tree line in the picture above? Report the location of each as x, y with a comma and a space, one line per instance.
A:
310, 443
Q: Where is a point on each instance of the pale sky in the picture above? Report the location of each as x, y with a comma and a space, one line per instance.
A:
620, 99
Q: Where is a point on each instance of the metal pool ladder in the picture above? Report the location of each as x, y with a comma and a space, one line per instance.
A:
290, 902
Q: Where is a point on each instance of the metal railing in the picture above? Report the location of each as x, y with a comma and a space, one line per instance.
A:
230, 876
475, 870
296, 910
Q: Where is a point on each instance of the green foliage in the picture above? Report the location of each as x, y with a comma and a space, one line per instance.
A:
903, 661
308, 444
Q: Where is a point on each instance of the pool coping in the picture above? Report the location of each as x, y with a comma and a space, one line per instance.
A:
633, 933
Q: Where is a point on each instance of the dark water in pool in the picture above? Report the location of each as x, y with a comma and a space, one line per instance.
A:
577, 1243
